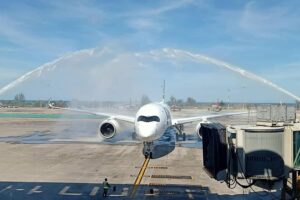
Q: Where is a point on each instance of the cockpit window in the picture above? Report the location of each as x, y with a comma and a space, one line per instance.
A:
148, 119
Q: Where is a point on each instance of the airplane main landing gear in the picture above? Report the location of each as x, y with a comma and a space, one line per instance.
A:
180, 133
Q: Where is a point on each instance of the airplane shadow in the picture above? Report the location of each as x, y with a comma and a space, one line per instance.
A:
93, 191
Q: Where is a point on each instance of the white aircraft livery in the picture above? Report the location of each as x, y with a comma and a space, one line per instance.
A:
150, 123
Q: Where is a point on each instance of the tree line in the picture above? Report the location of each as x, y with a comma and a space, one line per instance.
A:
190, 101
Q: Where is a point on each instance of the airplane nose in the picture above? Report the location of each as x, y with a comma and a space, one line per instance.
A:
146, 130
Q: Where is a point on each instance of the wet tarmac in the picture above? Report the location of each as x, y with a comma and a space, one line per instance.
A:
86, 132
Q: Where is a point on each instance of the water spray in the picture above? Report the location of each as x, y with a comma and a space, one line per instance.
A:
167, 52
49, 66
238, 70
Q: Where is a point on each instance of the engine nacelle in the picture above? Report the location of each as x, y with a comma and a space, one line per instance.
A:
198, 128
108, 128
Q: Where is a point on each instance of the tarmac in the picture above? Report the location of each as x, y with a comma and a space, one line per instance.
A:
65, 159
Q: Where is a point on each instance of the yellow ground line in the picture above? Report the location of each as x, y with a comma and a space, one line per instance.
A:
139, 178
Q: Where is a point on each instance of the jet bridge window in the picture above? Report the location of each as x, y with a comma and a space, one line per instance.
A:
148, 119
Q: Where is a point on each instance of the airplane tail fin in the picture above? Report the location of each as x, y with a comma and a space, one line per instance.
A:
50, 104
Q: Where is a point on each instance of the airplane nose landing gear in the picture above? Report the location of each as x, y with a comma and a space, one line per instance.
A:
148, 149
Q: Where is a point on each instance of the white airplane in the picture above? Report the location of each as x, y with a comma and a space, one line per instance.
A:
150, 123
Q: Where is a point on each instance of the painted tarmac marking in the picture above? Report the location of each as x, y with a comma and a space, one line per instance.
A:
125, 191
35, 190
170, 176
7, 188
190, 195
153, 167
149, 194
64, 191
94, 191
139, 178
157, 184
117, 195
148, 176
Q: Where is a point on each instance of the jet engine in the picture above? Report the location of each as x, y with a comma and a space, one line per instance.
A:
198, 127
108, 128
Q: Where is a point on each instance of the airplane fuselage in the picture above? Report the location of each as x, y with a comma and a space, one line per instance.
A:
152, 120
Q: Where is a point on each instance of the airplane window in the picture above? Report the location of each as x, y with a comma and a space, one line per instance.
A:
148, 119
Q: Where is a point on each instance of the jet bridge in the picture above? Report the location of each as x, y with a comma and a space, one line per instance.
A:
263, 154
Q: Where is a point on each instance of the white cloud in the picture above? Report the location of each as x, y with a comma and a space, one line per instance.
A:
150, 19
16, 33
144, 24
41, 27
170, 6
269, 21
80, 10
260, 21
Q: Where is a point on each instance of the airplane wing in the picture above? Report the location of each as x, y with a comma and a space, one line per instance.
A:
180, 121
110, 115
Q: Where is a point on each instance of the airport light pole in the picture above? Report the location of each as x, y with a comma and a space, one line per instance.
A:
228, 98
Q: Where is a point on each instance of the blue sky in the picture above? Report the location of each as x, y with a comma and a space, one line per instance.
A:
261, 36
